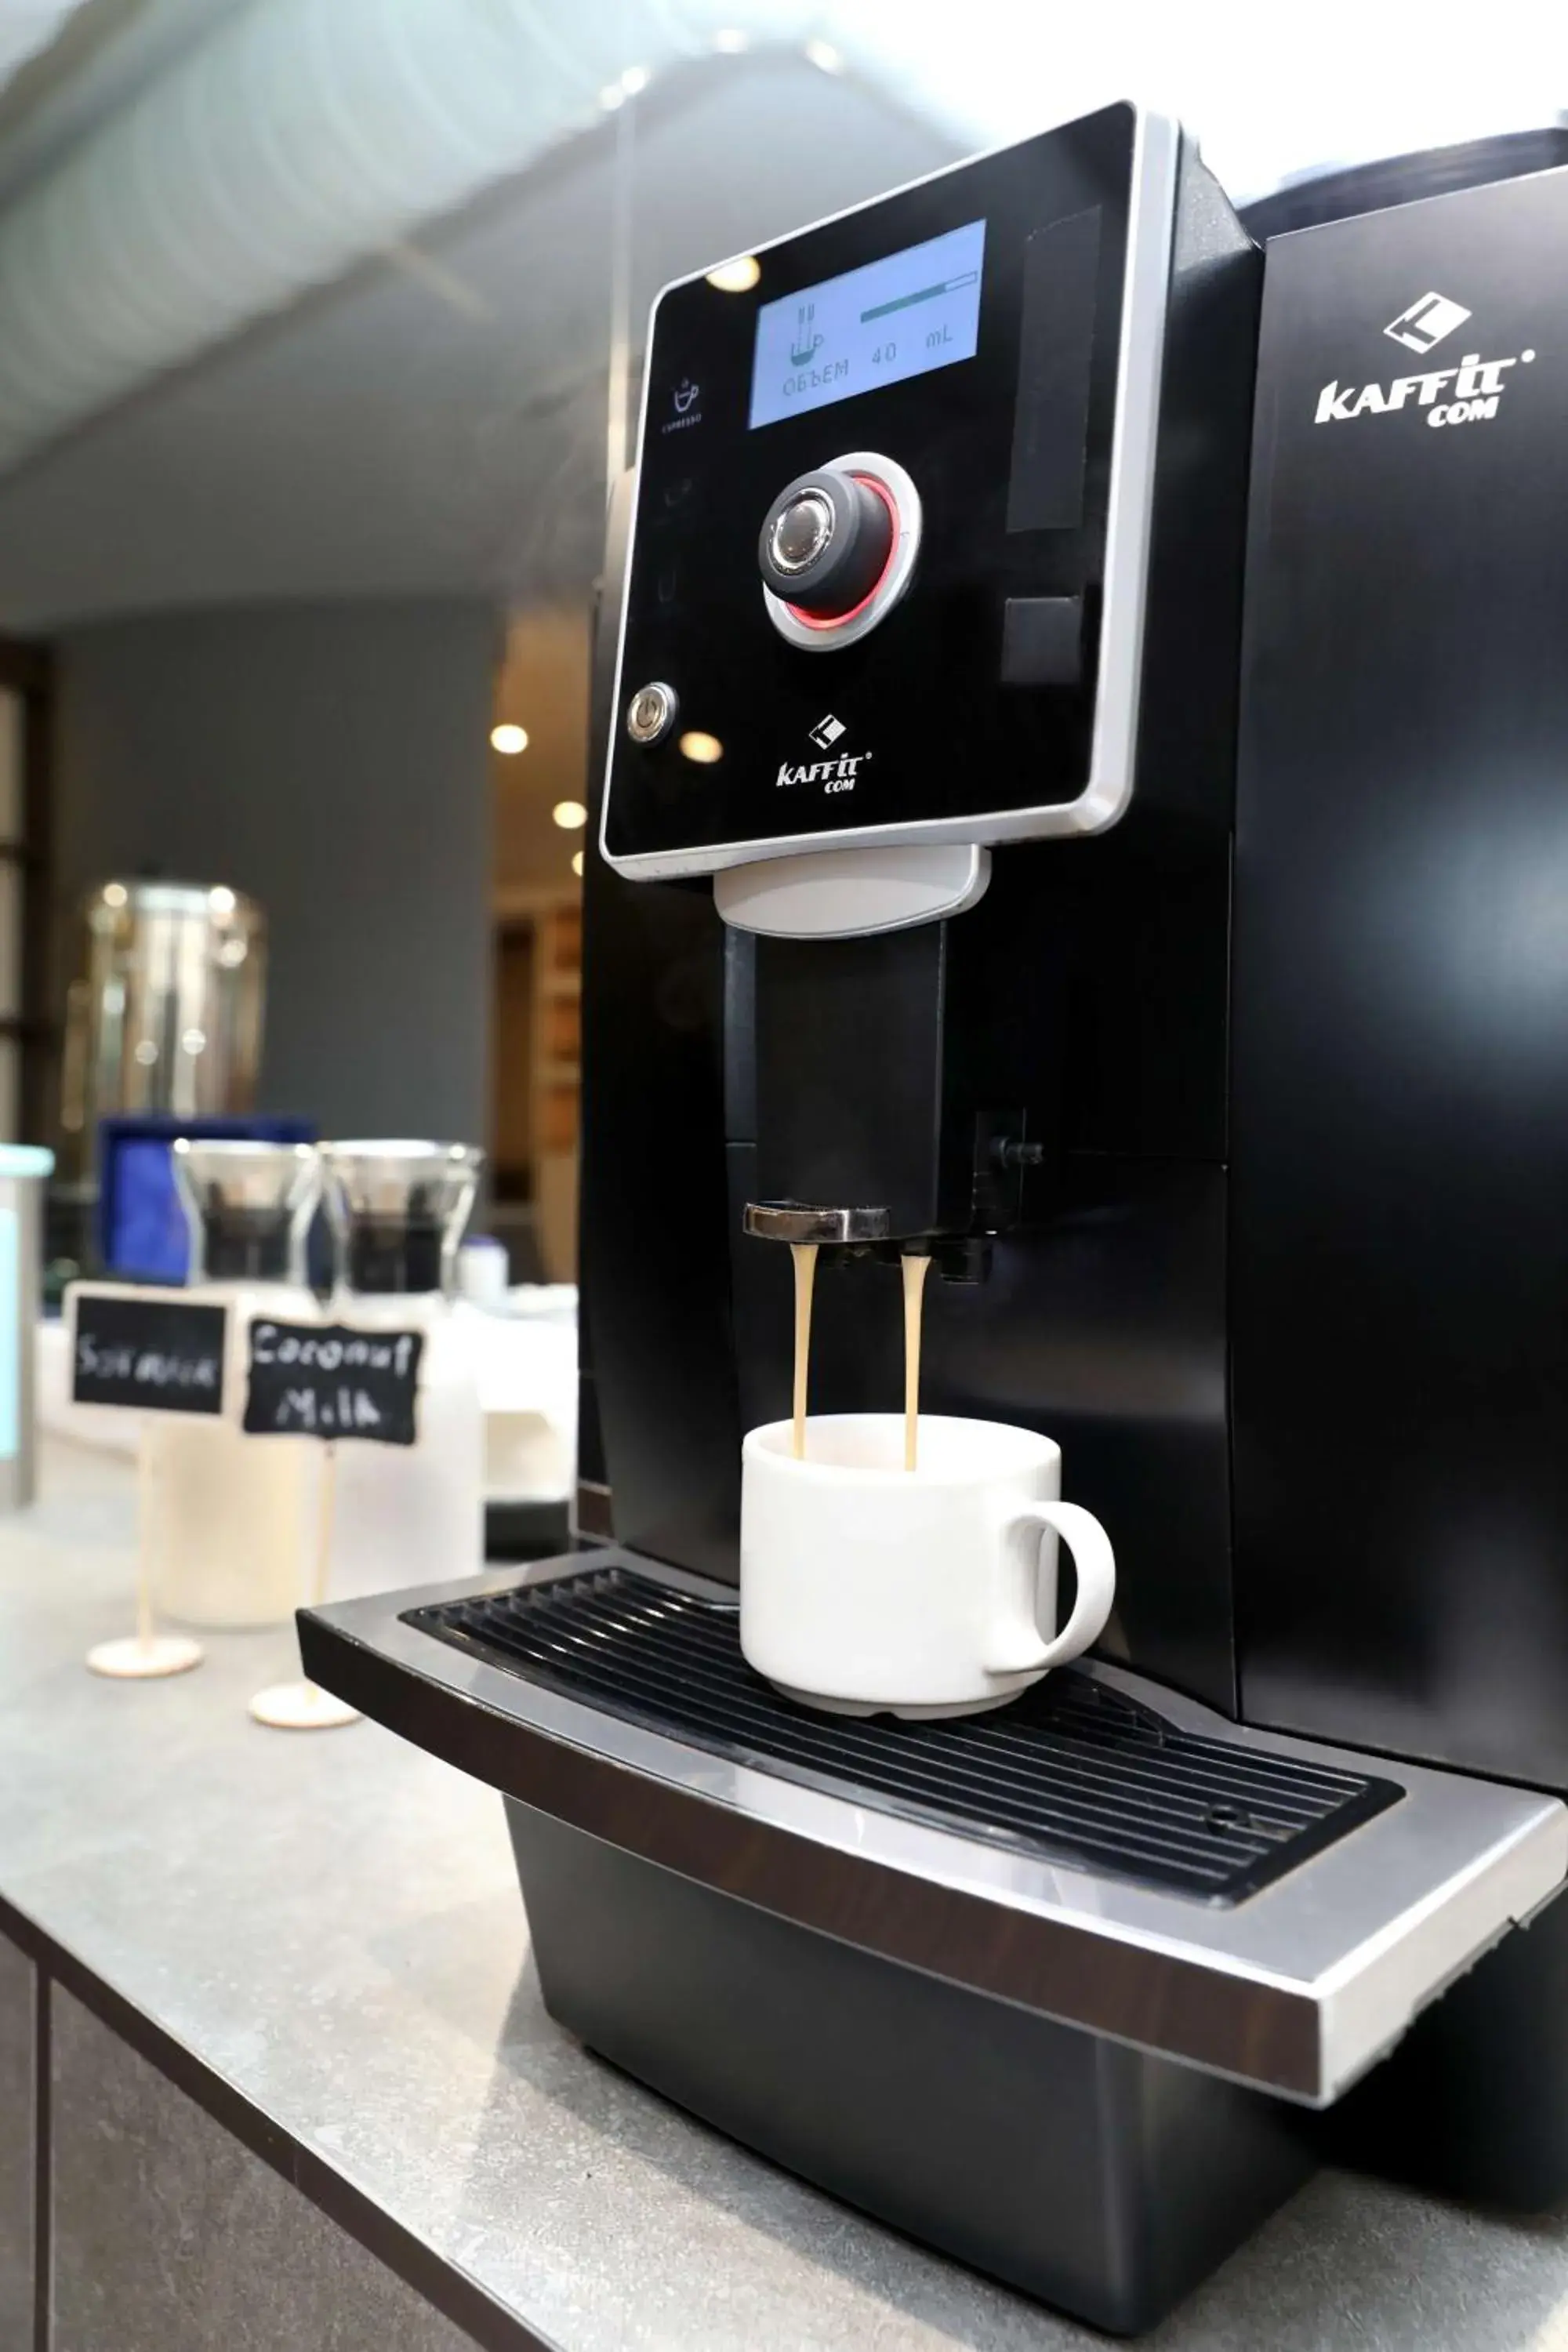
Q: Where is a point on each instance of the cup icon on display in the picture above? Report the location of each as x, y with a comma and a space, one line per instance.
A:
868, 1587
807, 342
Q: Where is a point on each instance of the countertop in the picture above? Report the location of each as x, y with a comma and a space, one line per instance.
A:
329, 1923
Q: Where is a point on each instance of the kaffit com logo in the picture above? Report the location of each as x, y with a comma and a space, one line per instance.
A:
1477, 385
1427, 323
834, 776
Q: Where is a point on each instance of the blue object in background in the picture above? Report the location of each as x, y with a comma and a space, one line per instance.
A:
141, 1230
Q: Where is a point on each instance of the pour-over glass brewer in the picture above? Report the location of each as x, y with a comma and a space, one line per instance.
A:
230, 1514
398, 1207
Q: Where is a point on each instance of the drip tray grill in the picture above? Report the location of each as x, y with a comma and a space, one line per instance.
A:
1073, 1772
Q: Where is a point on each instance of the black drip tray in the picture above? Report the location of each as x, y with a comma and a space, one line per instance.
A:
1073, 1772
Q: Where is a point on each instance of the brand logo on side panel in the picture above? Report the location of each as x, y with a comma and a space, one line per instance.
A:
1427, 323
1468, 392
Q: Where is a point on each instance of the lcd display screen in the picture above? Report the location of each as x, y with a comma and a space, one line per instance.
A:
902, 316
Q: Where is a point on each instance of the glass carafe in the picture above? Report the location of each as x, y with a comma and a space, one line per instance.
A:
231, 1514
407, 1515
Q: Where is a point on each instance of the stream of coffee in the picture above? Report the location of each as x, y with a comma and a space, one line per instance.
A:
915, 1270
804, 1257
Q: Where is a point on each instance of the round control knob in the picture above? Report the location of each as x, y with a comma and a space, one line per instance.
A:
828, 542
801, 532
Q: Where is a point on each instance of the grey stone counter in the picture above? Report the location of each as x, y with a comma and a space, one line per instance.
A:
331, 1925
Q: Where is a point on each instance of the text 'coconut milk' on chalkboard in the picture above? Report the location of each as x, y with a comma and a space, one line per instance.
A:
328, 1380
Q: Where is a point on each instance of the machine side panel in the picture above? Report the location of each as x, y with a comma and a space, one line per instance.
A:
655, 1243
658, 1389
1400, 1106
1186, 736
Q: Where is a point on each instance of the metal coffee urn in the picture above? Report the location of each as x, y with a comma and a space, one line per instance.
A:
166, 1013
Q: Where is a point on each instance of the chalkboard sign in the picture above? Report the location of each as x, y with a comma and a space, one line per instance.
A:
323, 1379
148, 1351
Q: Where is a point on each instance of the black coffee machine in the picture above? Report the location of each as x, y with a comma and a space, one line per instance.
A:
1192, 983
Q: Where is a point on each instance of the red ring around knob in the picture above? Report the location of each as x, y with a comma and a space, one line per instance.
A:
837, 620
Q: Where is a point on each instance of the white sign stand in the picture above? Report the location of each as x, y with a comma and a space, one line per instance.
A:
302, 1705
144, 1656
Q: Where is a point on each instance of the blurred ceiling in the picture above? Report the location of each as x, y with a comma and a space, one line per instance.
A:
313, 298
27, 26
98, 54
436, 420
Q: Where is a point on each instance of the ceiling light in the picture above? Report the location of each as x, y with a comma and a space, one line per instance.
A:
702, 749
612, 96
114, 893
569, 815
635, 80
729, 41
221, 900
736, 277
825, 57
508, 739
577, 863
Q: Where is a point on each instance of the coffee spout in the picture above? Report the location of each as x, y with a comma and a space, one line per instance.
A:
802, 1221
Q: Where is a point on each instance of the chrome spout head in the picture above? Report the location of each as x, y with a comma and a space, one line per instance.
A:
800, 1221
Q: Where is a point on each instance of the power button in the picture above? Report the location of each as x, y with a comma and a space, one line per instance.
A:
650, 713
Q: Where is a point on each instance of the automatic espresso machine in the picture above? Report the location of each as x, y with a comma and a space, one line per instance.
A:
1084, 798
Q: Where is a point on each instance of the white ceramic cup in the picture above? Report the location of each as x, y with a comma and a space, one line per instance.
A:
932, 1591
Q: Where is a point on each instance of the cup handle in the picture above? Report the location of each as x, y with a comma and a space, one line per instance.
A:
1024, 1650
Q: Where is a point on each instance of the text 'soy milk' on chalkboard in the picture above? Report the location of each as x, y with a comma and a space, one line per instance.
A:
325, 1379
147, 1351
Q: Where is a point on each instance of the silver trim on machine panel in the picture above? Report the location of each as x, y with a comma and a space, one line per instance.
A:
1151, 230
852, 894
1296, 1990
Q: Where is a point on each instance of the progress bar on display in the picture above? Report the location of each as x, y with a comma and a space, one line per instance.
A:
925, 294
